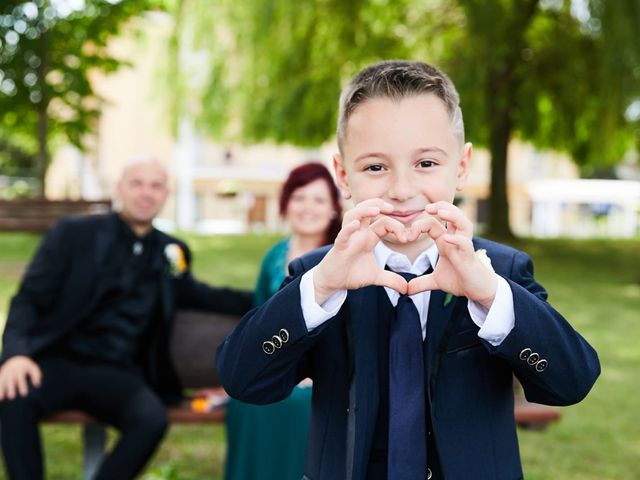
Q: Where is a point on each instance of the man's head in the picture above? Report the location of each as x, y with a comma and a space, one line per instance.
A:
401, 139
142, 191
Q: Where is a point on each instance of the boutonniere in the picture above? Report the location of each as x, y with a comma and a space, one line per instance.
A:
448, 298
484, 258
177, 261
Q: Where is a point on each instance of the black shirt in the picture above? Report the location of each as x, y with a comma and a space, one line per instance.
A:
130, 290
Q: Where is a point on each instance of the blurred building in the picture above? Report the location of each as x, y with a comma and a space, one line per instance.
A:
228, 188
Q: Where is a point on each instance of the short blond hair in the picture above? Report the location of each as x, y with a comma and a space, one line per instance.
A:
399, 79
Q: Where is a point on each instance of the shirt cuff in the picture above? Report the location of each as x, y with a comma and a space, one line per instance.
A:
498, 322
314, 314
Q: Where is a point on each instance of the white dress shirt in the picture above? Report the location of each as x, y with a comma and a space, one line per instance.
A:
495, 324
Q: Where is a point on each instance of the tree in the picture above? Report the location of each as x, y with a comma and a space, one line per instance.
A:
48, 50
560, 73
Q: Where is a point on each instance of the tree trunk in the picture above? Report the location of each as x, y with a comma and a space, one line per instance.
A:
500, 134
504, 81
42, 128
43, 147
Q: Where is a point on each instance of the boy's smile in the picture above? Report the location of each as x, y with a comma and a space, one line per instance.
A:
405, 153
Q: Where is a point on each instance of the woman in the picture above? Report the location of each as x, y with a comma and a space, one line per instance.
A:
269, 441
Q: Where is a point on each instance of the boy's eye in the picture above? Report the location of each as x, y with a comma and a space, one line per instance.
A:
427, 163
375, 168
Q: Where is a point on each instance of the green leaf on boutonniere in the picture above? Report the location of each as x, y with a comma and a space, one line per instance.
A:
447, 299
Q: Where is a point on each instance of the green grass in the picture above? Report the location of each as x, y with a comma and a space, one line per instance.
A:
595, 283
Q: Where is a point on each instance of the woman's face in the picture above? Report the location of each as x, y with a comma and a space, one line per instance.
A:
310, 209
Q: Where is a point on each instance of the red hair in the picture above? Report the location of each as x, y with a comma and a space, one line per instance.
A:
305, 174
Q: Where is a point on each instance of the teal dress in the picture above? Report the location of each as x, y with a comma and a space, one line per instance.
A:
269, 442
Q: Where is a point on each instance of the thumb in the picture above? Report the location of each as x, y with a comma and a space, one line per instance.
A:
392, 280
422, 284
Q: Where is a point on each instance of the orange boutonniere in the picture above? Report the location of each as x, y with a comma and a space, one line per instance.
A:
177, 261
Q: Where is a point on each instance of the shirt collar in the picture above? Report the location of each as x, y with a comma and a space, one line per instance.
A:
399, 262
129, 234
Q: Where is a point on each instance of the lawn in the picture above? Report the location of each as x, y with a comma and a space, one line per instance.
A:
596, 283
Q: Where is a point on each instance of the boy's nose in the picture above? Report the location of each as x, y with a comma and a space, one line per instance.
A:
401, 189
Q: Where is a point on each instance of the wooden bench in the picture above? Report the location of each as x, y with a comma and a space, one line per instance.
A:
195, 339
38, 215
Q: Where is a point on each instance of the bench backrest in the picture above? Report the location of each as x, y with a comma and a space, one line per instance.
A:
195, 338
38, 215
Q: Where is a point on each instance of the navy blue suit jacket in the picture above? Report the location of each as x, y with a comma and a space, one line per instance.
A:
469, 380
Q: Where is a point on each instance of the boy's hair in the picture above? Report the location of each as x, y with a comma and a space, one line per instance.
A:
398, 79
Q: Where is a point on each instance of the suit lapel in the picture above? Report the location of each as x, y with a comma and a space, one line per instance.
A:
437, 321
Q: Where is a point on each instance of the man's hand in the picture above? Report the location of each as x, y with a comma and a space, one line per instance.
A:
459, 271
350, 263
15, 374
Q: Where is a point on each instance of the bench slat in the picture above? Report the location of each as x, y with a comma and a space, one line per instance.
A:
527, 415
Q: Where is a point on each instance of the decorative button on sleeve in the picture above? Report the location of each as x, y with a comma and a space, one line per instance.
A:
524, 354
541, 365
284, 335
268, 348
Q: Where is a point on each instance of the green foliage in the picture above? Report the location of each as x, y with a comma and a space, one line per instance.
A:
558, 73
48, 52
277, 66
564, 75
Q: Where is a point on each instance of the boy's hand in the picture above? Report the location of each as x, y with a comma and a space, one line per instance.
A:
459, 271
350, 264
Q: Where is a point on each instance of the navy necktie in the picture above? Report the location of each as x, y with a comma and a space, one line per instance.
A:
407, 446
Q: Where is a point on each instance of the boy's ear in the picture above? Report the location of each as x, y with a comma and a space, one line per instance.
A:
341, 175
463, 166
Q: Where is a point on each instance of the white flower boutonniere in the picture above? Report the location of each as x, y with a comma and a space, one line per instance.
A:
484, 258
177, 261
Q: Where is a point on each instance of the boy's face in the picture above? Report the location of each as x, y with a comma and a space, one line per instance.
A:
405, 153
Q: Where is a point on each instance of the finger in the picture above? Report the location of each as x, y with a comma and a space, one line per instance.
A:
429, 225
463, 243
368, 208
423, 283
2, 389
23, 386
346, 231
35, 374
10, 389
360, 213
456, 220
392, 280
385, 225
376, 202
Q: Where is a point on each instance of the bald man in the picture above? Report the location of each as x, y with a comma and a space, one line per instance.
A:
89, 328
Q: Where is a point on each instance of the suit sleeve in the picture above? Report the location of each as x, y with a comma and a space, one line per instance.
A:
251, 373
38, 290
553, 362
194, 294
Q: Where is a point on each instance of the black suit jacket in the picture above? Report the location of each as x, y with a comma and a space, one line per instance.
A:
469, 380
63, 284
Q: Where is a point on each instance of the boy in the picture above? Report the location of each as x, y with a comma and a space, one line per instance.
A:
412, 377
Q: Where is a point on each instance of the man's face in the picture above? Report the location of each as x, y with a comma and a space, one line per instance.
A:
403, 152
142, 191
